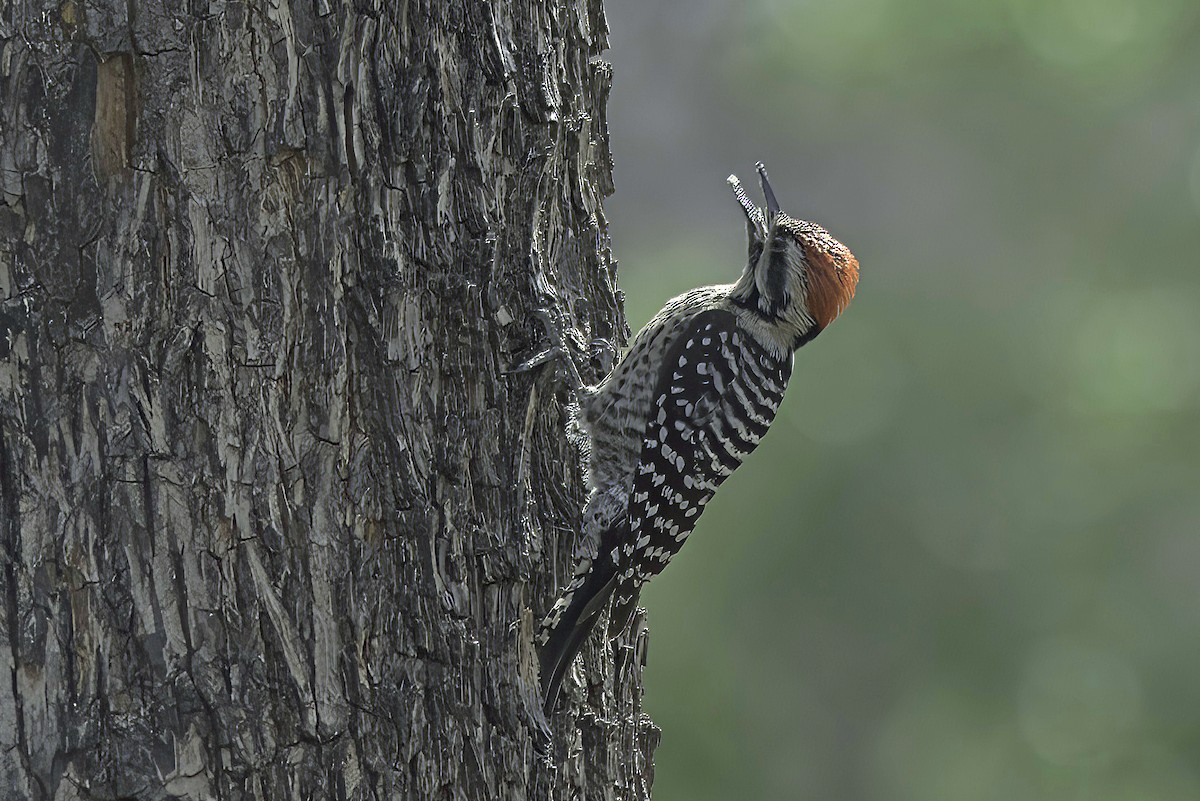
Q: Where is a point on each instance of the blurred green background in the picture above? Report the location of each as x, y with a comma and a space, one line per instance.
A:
965, 564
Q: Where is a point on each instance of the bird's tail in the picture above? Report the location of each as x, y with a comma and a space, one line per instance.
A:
569, 621
624, 604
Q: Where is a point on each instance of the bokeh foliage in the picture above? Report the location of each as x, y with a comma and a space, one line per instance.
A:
965, 564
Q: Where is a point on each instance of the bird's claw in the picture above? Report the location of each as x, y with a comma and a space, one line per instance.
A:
604, 353
554, 325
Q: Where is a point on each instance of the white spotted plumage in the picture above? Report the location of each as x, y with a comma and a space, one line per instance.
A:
687, 403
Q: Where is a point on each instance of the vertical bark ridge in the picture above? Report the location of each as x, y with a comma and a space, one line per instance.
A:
263, 268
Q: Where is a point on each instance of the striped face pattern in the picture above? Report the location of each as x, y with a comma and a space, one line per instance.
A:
715, 397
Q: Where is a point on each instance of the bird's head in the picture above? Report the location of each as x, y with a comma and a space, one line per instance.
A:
798, 278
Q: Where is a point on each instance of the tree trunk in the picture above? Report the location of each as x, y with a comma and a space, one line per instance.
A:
276, 523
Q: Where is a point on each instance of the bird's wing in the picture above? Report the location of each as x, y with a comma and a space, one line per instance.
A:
716, 396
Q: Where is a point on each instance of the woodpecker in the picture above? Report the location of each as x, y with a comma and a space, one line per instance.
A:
690, 399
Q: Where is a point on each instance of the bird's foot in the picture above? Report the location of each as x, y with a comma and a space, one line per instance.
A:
556, 349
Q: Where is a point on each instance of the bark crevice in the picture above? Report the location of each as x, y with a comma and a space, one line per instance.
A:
277, 520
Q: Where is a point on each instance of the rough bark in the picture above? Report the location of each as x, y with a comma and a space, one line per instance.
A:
275, 521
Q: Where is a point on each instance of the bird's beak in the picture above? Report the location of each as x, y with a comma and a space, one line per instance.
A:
768, 193
754, 216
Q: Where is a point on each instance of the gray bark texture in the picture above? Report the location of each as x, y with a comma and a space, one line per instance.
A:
276, 523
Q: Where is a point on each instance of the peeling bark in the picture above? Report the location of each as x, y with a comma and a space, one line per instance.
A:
276, 523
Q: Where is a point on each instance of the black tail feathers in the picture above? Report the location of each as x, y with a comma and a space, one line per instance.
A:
624, 605
569, 624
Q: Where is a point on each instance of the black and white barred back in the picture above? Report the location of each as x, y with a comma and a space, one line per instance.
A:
717, 397
715, 394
